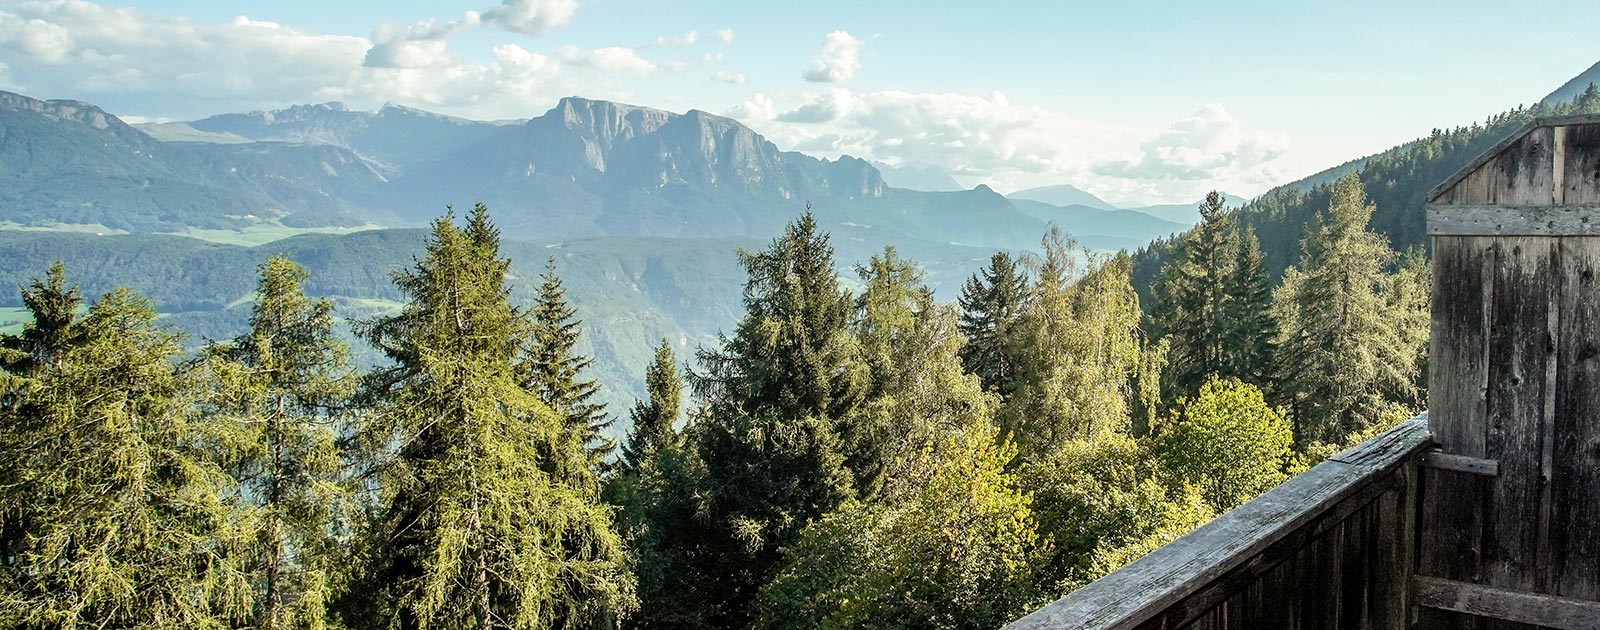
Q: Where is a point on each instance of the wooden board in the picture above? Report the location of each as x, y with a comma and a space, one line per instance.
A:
1516, 607
1504, 220
1574, 546
1580, 172
1520, 401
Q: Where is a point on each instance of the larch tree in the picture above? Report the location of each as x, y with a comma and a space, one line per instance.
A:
553, 368
487, 514
285, 384
1341, 352
992, 302
1086, 362
125, 516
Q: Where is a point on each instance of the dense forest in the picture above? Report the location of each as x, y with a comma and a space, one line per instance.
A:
866, 458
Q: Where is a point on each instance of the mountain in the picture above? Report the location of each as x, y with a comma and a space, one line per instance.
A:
1099, 229
1187, 213
69, 162
1061, 195
1573, 88
929, 178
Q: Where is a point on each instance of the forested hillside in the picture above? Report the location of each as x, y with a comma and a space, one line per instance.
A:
852, 453
1396, 180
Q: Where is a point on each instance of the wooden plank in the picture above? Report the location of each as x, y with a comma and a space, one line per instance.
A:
1522, 341
1484, 158
1508, 220
1453, 503
1237, 547
1507, 605
1558, 168
1526, 170
1581, 169
1574, 546
1460, 463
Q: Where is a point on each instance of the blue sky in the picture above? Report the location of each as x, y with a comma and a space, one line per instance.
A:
1135, 101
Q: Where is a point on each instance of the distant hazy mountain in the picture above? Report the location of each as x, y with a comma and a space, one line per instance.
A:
1187, 213
1091, 226
71, 162
1062, 195
1574, 87
929, 177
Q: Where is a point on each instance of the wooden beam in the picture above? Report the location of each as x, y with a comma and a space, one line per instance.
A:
1505, 605
1461, 463
1509, 220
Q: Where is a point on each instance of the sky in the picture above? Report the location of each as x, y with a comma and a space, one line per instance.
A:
1136, 101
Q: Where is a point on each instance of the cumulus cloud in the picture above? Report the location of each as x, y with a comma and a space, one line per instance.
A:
735, 78
532, 17
612, 59
756, 110
838, 60
725, 35
1204, 146
419, 45
828, 107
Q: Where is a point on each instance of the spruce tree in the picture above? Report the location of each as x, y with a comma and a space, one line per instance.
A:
1191, 309
487, 514
992, 301
553, 368
126, 517
654, 417
779, 393
44, 340
284, 384
1250, 328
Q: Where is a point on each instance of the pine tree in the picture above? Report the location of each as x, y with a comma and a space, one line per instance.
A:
779, 393
992, 302
1191, 309
553, 368
1251, 331
127, 518
487, 515
653, 418
284, 383
44, 340
1340, 348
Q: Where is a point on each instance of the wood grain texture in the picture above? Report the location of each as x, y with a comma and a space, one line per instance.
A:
1488, 220
1574, 546
1507, 605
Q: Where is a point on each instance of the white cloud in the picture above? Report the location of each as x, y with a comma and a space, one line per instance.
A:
735, 78
420, 45
1210, 145
838, 60
678, 41
532, 17
726, 35
36, 38
755, 111
613, 59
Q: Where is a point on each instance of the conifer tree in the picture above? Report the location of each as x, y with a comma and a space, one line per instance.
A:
1340, 349
125, 515
992, 301
653, 418
554, 369
284, 383
1191, 309
1251, 330
43, 341
779, 393
487, 515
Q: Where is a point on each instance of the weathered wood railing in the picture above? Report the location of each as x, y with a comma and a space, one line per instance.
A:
1331, 548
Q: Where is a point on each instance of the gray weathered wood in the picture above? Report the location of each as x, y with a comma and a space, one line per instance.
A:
1454, 503
1574, 549
1506, 220
1508, 605
1580, 176
1521, 387
1441, 460
1240, 547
